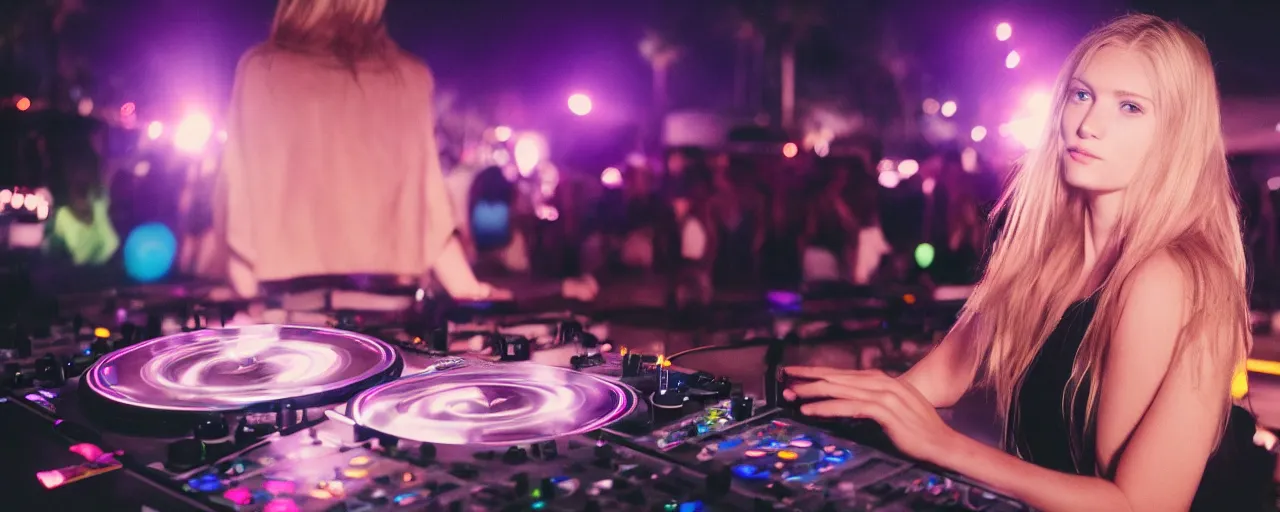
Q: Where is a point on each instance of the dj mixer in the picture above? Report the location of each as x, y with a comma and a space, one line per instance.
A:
281, 418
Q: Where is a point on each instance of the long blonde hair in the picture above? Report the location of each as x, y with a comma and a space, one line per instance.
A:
1181, 202
349, 30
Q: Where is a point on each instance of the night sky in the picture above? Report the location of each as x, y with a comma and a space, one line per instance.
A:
171, 51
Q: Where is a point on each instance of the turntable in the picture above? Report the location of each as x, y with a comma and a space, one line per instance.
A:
283, 418
180, 377
491, 405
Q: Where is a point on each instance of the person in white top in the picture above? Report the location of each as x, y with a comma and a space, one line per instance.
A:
331, 165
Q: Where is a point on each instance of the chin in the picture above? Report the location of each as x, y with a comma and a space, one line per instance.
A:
1085, 178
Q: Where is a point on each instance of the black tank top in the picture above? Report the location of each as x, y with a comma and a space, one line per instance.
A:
1237, 476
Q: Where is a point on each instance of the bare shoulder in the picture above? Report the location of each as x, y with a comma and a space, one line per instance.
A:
256, 58
1158, 286
414, 68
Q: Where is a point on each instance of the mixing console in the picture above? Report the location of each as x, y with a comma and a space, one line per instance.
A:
285, 418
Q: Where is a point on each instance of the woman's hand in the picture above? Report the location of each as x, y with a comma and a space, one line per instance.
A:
583, 288
904, 414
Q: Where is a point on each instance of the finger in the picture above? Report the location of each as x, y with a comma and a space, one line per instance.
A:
895, 392
808, 372
852, 408
874, 387
827, 389
869, 379
887, 399
812, 372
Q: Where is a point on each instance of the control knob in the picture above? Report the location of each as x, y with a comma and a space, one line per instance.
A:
439, 341
521, 483
212, 427
286, 415
184, 455
348, 321
247, 433
515, 455
426, 453
99, 347
13, 376
548, 488
128, 334
569, 333
545, 450
513, 348
49, 372
741, 408
631, 364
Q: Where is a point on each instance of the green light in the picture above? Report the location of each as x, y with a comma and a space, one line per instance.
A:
536, 494
924, 255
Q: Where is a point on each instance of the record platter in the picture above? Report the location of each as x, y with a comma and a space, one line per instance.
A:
282, 418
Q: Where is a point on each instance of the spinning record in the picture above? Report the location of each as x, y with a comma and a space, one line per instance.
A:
492, 405
234, 369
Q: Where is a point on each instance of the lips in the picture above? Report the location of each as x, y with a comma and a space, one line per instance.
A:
1081, 155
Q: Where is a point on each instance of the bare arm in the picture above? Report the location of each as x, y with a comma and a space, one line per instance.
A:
1157, 419
947, 372
454, 272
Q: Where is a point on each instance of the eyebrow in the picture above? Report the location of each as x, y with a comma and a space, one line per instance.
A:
1121, 93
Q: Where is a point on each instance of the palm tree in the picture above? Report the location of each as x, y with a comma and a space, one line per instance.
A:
24, 20
788, 23
661, 53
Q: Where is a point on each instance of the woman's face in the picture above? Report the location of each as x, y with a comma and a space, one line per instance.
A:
1109, 122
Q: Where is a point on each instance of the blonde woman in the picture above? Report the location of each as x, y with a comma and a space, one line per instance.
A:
1113, 310
331, 166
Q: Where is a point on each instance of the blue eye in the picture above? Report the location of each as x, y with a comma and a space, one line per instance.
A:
1082, 95
1130, 108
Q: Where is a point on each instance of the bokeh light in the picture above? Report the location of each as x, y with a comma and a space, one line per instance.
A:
611, 177
149, 251
1004, 31
928, 185
924, 254
889, 179
23, 103
580, 104
908, 168
155, 130
528, 152
1028, 125
948, 109
193, 133
790, 150
502, 133
1012, 60
969, 160
930, 106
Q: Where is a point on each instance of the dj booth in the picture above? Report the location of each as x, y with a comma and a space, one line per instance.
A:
465, 407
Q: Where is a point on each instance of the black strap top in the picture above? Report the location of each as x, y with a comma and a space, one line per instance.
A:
1237, 476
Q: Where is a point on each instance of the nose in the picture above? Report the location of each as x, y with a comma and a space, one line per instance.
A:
1092, 125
